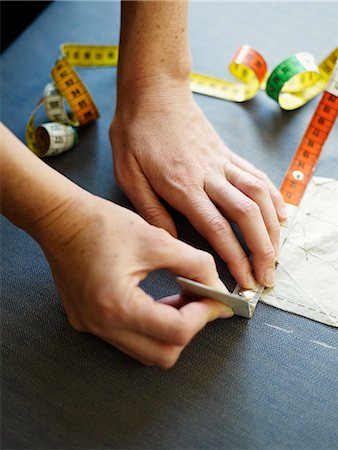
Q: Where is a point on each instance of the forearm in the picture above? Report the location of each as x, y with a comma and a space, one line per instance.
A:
33, 195
154, 44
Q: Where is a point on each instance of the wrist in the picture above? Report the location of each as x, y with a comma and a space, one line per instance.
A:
154, 49
154, 67
62, 223
153, 94
34, 196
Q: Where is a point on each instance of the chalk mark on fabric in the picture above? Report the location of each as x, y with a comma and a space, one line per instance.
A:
278, 328
323, 344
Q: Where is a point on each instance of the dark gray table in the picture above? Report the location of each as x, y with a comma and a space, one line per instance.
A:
240, 384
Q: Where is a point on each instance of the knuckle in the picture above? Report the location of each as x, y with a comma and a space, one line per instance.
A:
109, 310
105, 309
183, 183
242, 260
182, 336
168, 359
151, 212
276, 195
160, 238
123, 172
248, 208
261, 175
257, 186
274, 228
219, 226
268, 254
181, 176
205, 259
186, 182
240, 264
120, 177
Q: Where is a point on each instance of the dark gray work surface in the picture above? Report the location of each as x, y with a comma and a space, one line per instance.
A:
266, 383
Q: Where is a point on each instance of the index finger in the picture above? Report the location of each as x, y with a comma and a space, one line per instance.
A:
208, 220
183, 259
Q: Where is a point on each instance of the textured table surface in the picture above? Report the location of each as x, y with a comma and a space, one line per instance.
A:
267, 383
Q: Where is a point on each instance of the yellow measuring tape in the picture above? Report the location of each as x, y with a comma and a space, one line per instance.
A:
292, 83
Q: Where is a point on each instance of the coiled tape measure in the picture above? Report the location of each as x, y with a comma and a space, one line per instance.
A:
293, 83
244, 301
60, 134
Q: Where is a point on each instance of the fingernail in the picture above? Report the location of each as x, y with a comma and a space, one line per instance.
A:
226, 313
250, 282
269, 277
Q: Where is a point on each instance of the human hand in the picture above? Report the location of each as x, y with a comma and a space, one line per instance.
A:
98, 253
164, 147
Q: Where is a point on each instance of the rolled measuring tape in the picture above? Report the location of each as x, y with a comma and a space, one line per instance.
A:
293, 83
302, 166
67, 88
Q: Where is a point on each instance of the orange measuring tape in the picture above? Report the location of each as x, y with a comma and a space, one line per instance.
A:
301, 168
291, 84
307, 154
75, 93
244, 301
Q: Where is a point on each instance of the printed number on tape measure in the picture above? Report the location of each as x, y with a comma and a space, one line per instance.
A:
303, 165
292, 83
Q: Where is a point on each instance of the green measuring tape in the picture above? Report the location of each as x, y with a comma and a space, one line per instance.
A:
293, 83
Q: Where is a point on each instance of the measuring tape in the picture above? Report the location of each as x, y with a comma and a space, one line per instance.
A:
302, 166
292, 83
244, 301
60, 134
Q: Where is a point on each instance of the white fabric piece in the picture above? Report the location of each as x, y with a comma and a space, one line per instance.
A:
307, 275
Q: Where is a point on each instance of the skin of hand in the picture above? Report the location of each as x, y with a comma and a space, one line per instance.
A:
98, 253
165, 148
97, 272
